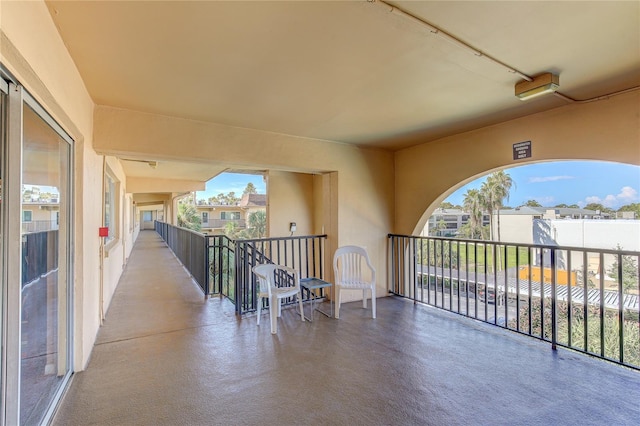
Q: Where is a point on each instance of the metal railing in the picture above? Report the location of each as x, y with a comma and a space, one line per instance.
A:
223, 266
580, 298
39, 255
39, 226
190, 247
305, 253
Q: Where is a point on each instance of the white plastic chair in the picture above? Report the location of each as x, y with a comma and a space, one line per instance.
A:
276, 282
353, 271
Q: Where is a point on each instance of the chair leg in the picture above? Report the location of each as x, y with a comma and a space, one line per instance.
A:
338, 295
364, 298
299, 297
274, 303
259, 308
373, 302
279, 307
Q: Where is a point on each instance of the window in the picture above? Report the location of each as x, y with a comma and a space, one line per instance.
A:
205, 217
110, 210
27, 215
230, 215
147, 216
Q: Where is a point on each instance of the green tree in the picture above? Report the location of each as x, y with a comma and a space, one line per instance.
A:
629, 271
231, 230
494, 191
473, 205
188, 216
228, 199
250, 189
598, 206
257, 224
231, 199
446, 205
593, 319
439, 226
532, 203
256, 227
634, 207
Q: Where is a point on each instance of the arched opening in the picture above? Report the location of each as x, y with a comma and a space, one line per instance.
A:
559, 260
588, 190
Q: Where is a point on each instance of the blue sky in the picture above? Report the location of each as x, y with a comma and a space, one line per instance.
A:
231, 182
570, 182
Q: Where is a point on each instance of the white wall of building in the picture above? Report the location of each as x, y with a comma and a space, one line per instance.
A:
601, 234
516, 229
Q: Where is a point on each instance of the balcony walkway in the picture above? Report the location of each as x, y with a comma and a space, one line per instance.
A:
165, 356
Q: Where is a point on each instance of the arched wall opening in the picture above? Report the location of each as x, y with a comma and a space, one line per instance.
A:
607, 130
578, 189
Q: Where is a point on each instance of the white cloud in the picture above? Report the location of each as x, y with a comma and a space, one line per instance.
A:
627, 195
610, 201
538, 179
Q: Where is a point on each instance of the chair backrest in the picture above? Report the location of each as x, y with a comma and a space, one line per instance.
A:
351, 264
271, 275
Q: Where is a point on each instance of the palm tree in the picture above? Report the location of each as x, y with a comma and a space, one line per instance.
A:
473, 204
188, 217
494, 190
231, 230
257, 224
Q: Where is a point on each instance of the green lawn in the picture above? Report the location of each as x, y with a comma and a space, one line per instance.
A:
475, 254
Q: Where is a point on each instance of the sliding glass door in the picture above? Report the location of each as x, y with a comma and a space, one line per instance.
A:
36, 246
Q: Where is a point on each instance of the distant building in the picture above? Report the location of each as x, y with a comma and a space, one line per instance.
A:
447, 222
38, 216
516, 224
626, 215
215, 217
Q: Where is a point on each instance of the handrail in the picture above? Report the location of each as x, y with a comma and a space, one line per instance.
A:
304, 253
223, 266
190, 248
584, 299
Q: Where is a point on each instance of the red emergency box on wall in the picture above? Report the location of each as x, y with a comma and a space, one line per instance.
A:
103, 231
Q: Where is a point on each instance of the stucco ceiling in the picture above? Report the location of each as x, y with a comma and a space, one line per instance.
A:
347, 71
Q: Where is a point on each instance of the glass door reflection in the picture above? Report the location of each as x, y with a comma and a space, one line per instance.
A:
45, 240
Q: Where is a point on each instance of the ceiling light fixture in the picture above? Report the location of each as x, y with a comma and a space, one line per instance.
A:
541, 84
531, 87
151, 163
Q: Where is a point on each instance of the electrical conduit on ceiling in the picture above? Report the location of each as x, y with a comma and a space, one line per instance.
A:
476, 52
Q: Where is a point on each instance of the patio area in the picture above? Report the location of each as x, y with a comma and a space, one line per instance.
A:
166, 356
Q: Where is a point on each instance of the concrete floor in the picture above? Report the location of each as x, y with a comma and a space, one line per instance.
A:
165, 356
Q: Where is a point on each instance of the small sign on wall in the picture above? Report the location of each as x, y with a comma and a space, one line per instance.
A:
521, 150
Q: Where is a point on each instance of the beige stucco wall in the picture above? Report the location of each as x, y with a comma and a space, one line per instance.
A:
364, 193
116, 253
361, 186
290, 199
428, 173
34, 53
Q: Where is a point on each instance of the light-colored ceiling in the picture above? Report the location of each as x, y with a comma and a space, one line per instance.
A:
347, 71
159, 169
